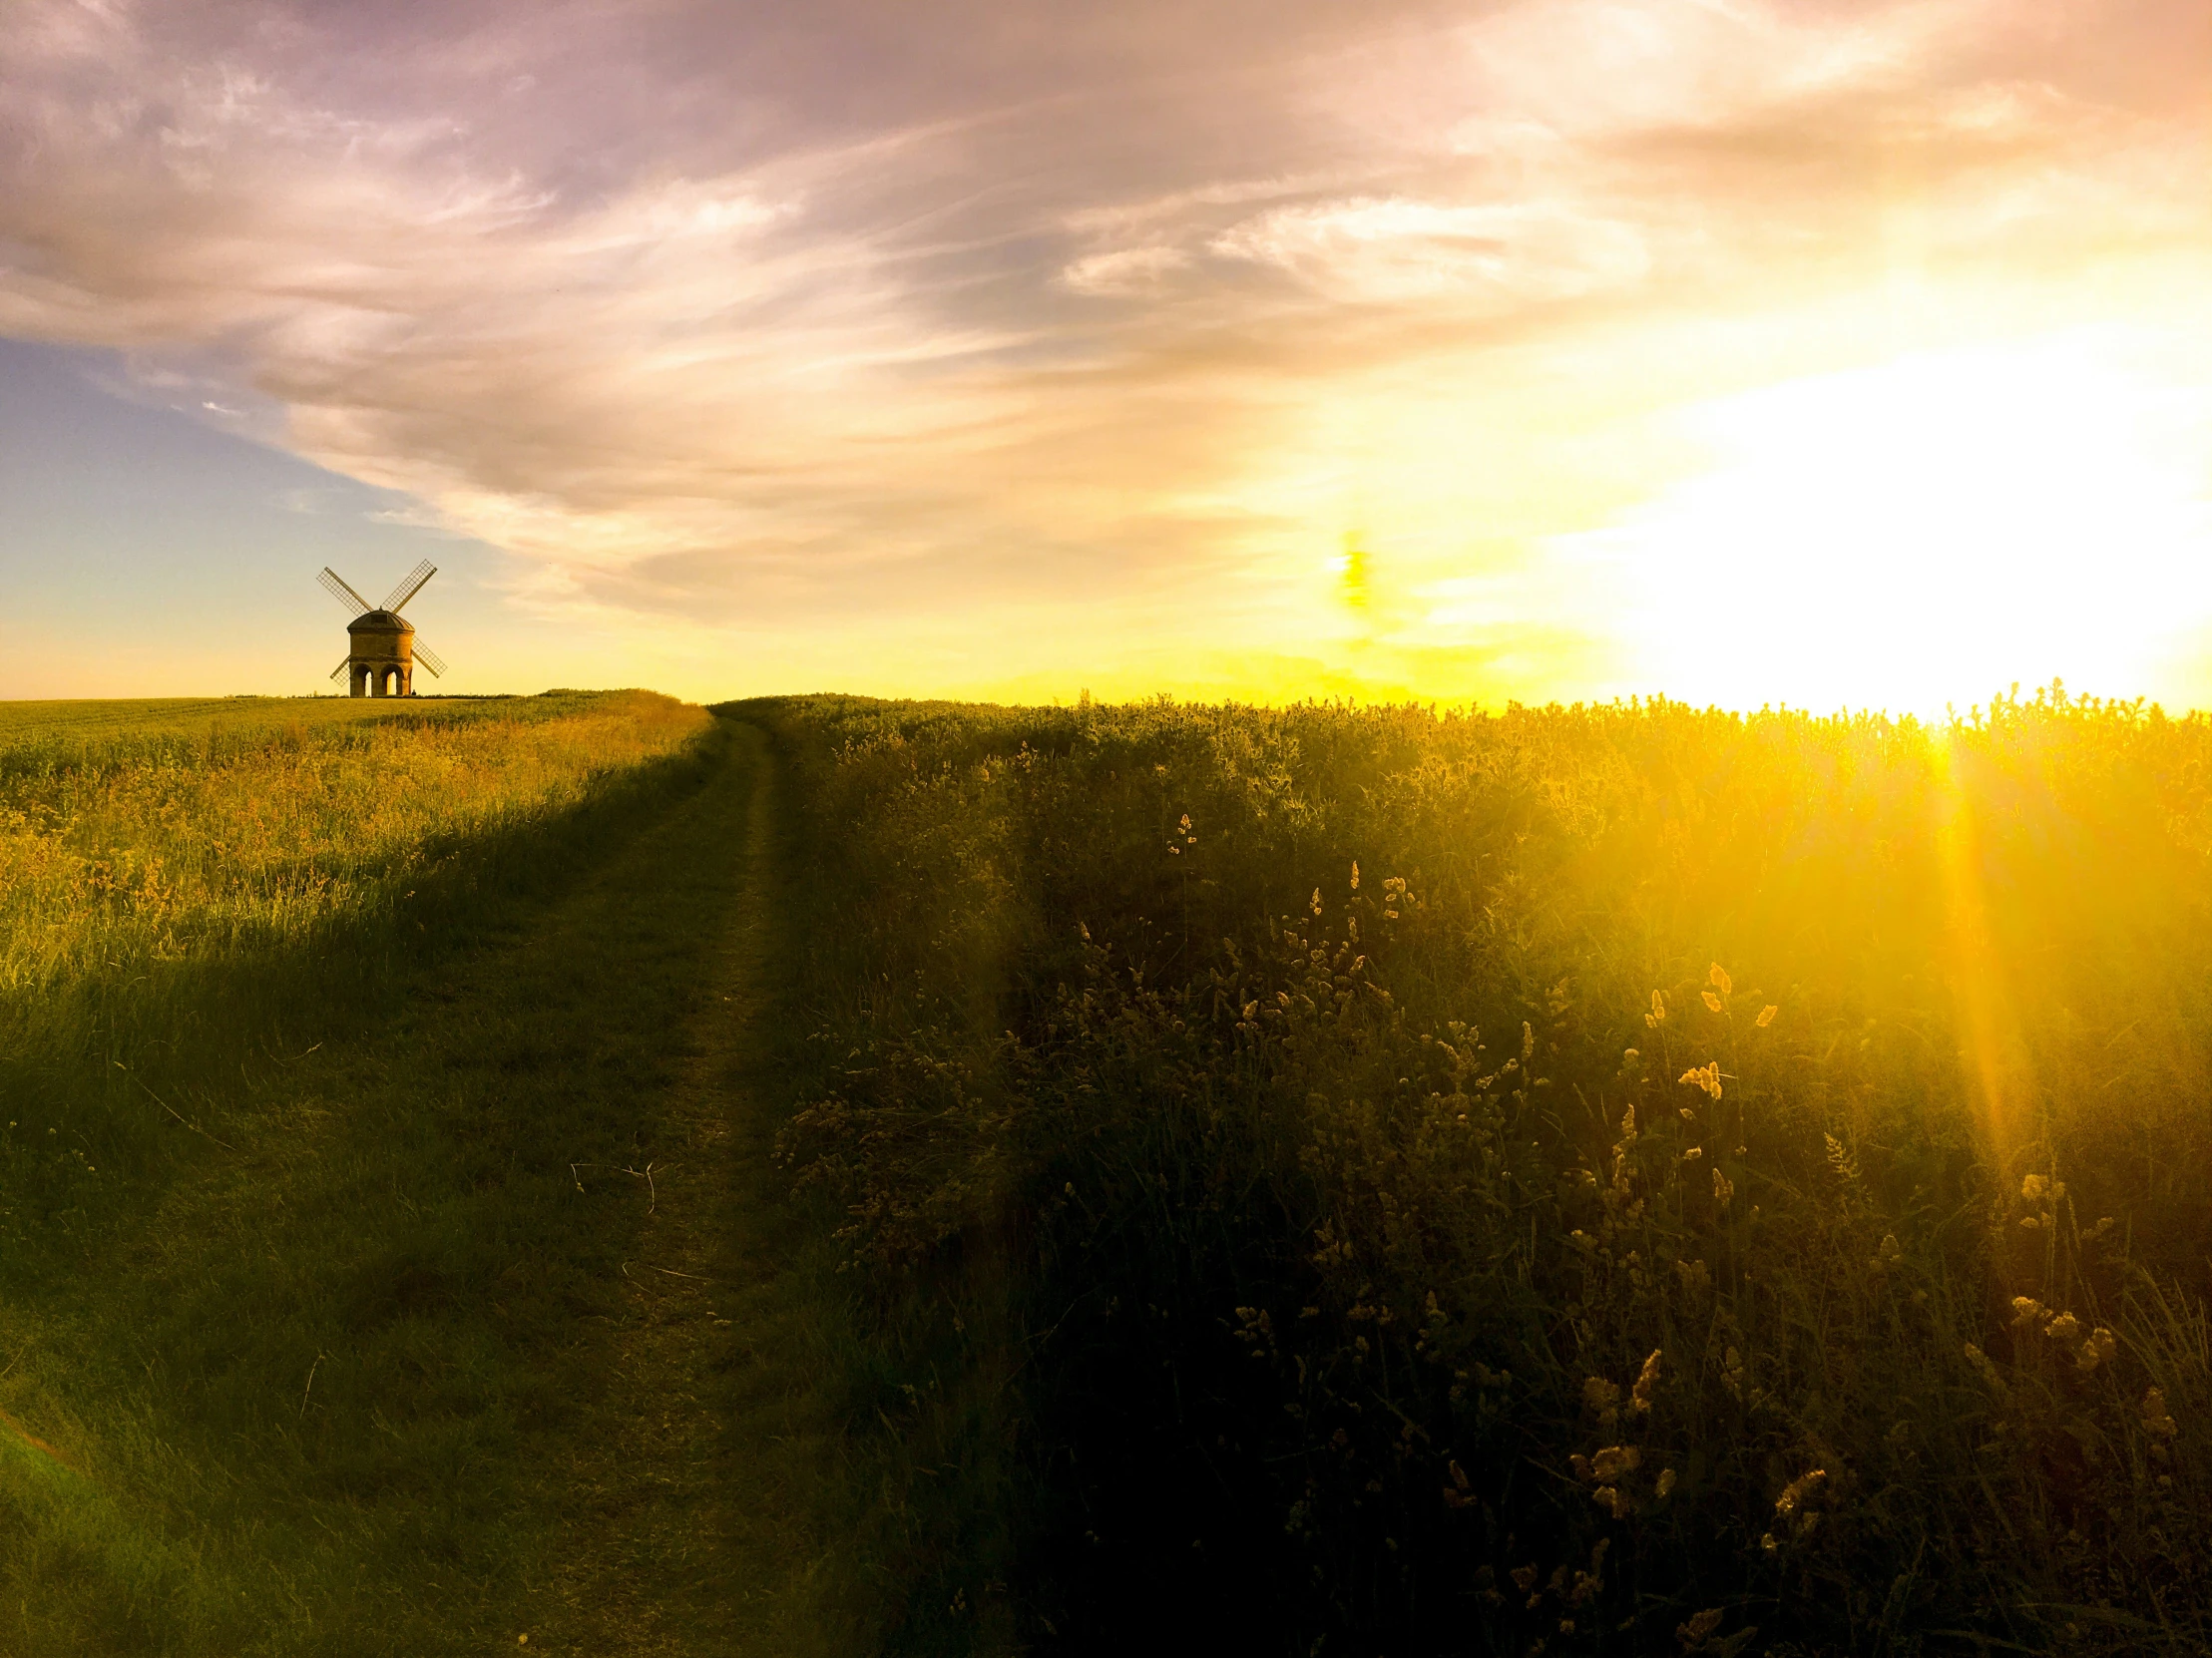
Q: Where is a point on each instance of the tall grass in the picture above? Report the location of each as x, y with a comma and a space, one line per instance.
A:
182, 884
278, 1308
1625, 1178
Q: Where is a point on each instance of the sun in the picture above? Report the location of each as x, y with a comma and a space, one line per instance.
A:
1920, 534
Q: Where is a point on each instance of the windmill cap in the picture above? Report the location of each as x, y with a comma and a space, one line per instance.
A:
380, 621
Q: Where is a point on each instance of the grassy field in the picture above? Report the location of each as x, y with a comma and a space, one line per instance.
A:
1625, 1179
840, 1177
389, 1260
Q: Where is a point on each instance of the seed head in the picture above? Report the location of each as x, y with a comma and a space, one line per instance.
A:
2100, 1346
1766, 1016
1610, 1465
1800, 1490
1692, 1634
1646, 1379
2157, 1422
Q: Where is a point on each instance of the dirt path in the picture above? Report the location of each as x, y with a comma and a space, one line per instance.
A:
693, 1513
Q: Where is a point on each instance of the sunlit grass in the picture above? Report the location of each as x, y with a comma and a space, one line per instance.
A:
1613, 1178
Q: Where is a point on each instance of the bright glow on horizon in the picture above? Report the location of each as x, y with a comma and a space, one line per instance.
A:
1924, 533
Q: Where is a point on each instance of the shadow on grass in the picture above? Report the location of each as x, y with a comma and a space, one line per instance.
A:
472, 1322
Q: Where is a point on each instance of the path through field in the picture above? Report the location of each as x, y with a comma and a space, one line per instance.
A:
479, 1324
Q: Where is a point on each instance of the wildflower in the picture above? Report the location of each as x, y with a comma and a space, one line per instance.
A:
1692, 1634
2033, 1187
1885, 1254
1766, 1016
1657, 1016
1800, 1490
1609, 1499
1664, 1485
1706, 1077
1712, 1002
1609, 1465
1588, 1583
1768, 1545
1987, 1371
2026, 1310
1317, 901
2100, 1346
1355, 863
1720, 979
2157, 1422
1731, 1372
1599, 1397
1723, 1188
2063, 1327
1646, 1379
1694, 1152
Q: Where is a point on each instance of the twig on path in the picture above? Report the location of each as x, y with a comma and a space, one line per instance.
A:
165, 1106
652, 1195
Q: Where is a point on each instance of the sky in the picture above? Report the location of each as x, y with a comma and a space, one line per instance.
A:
1810, 354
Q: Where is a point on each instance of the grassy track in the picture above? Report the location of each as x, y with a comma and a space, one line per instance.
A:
480, 1323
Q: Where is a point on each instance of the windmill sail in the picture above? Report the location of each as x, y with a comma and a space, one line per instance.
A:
429, 659
343, 663
334, 585
411, 585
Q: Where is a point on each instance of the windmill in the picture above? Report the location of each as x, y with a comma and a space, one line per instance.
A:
384, 650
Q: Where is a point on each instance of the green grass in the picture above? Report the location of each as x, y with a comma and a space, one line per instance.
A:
447, 1298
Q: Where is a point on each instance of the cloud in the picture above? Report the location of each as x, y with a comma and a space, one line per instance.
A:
1392, 250
759, 314
1124, 269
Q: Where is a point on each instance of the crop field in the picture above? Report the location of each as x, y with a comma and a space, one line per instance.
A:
825, 1175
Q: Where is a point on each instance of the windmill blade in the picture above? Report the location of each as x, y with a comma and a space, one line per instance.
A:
411, 585
334, 585
344, 662
430, 660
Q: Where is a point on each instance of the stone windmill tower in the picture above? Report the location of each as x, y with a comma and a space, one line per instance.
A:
383, 651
